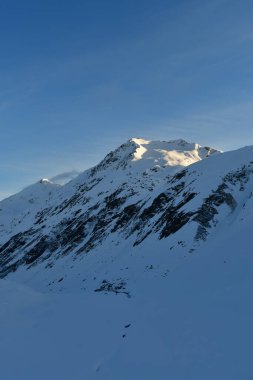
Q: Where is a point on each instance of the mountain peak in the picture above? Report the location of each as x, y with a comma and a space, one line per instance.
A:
45, 181
141, 154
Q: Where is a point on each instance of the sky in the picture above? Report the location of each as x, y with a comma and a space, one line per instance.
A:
78, 78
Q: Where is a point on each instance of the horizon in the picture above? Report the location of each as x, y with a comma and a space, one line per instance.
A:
78, 80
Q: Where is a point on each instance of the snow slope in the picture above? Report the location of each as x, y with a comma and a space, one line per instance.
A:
194, 324
18, 211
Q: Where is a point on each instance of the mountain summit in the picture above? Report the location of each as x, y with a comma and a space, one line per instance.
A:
139, 154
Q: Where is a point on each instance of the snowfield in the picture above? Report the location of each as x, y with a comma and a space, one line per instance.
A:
139, 268
194, 323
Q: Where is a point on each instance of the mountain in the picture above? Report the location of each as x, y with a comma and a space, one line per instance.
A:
107, 204
139, 268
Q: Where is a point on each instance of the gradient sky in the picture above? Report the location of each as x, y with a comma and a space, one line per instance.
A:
80, 77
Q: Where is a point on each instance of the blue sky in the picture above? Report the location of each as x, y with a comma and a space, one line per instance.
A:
78, 78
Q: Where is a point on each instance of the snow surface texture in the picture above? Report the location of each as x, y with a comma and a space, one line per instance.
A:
139, 268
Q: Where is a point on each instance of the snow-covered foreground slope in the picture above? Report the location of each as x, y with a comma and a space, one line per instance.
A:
194, 324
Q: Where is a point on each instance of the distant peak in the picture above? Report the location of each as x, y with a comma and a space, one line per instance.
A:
45, 181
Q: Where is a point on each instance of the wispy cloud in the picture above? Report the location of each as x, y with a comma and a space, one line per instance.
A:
65, 177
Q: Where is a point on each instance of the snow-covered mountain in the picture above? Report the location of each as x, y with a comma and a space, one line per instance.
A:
140, 268
104, 205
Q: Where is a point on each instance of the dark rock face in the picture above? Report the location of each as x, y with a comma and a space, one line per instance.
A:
174, 219
10, 252
127, 215
205, 216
